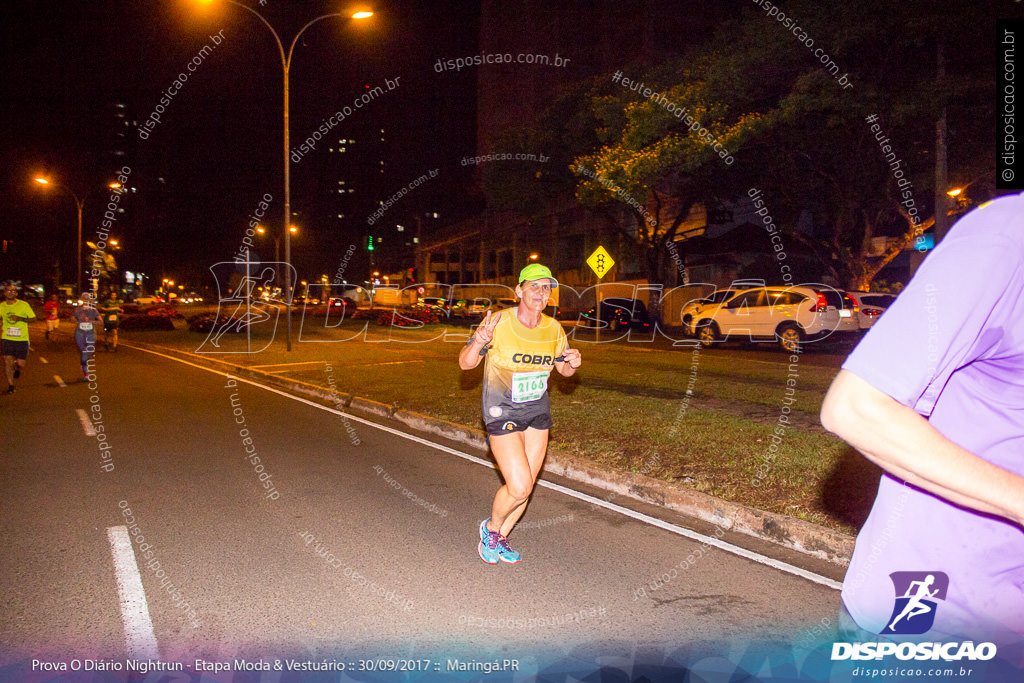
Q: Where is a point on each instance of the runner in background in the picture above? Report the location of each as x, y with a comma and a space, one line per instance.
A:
52, 308
86, 319
16, 314
110, 310
521, 346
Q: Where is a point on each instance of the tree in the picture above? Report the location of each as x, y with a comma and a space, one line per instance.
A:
659, 157
102, 265
793, 125
862, 159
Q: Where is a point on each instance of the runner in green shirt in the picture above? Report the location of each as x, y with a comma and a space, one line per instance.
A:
15, 314
110, 310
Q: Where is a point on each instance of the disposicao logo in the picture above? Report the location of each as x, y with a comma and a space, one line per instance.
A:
916, 595
913, 613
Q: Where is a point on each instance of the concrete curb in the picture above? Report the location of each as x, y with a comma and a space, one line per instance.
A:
796, 534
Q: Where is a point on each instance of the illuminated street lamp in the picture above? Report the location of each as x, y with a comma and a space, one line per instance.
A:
286, 63
277, 245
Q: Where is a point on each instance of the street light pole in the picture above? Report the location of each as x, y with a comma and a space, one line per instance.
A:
78, 244
286, 63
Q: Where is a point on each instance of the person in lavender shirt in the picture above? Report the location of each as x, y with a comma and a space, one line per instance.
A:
934, 394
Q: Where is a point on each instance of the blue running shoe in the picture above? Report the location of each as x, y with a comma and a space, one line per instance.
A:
488, 548
505, 552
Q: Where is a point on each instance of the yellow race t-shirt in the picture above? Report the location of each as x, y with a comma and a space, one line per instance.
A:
15, 331
518, 363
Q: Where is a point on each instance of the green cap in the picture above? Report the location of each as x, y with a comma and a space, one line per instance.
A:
536, 271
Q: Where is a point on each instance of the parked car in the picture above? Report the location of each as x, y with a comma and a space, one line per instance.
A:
458, 308
476, 308
500, 304
434, 303
617, 313
143, 301
692, 310
788, 316
872, 305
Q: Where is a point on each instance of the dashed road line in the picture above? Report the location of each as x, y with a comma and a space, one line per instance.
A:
86, 422
60, 382
138, 627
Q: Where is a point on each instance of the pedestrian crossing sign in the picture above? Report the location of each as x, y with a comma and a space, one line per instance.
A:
600, 261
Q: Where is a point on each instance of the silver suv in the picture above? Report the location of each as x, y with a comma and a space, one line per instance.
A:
786, 315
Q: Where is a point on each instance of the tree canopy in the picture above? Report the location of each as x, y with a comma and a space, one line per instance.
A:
755, 106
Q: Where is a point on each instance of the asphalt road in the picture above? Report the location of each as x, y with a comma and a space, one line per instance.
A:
363, 544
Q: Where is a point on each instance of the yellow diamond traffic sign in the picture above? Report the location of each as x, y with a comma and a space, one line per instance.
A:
600, 261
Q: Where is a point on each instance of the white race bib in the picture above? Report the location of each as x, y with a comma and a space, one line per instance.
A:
529, 386
85, 327
13, 331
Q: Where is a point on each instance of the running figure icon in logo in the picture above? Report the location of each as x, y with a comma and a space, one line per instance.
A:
915, 607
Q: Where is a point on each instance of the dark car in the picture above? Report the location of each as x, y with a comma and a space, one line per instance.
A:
617, 313
341, 302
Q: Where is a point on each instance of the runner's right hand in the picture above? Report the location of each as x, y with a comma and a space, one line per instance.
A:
485, 333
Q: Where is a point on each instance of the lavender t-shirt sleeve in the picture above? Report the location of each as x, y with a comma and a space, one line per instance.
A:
951, 314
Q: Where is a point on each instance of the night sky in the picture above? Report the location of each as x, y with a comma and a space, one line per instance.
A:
218, 147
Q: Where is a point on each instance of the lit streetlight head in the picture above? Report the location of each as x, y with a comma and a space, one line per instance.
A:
260, 230
955, 192
362, 15
42, 181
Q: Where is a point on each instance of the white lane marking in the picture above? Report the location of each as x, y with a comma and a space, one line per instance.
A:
639, 516
138, 628
86, 422
281, 365
60, 382
320, 362
43, 360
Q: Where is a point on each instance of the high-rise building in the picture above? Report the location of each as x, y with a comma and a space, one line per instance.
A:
356, 168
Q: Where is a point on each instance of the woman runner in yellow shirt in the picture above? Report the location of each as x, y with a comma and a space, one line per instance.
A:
521, 346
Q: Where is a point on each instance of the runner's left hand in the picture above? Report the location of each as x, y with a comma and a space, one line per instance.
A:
573, 358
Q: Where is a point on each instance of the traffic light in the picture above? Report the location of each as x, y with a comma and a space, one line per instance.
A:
369, 243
